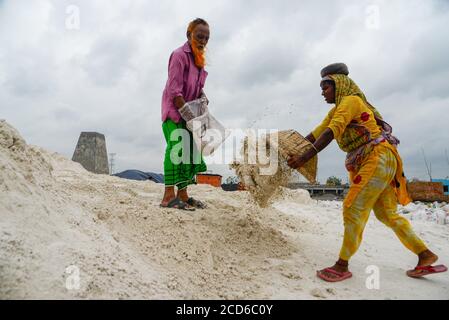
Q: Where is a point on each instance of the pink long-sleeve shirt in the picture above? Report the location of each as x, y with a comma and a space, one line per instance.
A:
184, 79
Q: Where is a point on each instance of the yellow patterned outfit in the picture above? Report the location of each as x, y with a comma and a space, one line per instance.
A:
375, 168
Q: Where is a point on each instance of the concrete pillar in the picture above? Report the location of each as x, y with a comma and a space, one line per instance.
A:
91, 152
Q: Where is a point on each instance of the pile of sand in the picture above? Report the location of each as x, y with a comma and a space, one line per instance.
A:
57, 219
54, 215
46, 226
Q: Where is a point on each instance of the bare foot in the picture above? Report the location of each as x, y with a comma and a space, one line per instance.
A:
169, 195
183, 195
427, 258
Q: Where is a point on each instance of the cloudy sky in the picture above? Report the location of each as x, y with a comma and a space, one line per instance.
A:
72, 66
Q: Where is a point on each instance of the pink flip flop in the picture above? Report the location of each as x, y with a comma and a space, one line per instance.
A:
419, 272
340, 275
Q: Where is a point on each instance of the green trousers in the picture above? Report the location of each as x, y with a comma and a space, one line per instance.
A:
182, 161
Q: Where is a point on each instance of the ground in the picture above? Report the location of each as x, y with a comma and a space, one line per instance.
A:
61, 226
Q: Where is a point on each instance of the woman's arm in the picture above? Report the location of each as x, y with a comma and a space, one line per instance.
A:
323, 141
310, 138
332, 127
297, 161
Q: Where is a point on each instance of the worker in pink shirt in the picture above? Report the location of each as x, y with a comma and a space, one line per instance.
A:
186, 79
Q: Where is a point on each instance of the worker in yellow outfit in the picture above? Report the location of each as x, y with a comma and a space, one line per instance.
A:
375, 168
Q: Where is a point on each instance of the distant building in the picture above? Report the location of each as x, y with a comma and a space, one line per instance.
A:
209, 178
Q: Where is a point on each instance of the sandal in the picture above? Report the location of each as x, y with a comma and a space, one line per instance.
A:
196, 203
177, 203
419, 272
340, 276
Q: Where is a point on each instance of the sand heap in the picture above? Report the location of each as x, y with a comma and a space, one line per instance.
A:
58, 220
266, 180
48, 225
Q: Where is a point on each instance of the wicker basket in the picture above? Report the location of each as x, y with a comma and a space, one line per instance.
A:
291, 142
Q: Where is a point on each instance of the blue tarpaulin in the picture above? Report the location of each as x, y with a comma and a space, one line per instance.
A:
140, 175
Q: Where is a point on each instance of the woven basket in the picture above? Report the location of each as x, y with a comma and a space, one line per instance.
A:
291, 142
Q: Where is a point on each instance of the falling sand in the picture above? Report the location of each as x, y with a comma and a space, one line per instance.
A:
264, 171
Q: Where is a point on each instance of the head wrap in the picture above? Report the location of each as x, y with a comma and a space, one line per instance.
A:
344, 86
